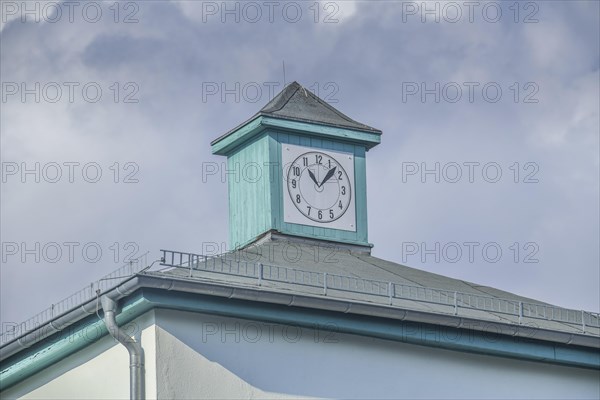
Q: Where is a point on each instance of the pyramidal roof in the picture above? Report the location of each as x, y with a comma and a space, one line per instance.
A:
297, 103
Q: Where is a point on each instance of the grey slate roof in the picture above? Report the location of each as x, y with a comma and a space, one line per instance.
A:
279, 269
299, 267
296, 103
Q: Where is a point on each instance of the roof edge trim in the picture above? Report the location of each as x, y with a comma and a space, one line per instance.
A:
225, 144
492, 338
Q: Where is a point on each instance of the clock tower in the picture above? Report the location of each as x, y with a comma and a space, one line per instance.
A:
300, 171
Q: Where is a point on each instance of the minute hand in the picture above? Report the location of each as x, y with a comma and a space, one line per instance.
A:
328, 175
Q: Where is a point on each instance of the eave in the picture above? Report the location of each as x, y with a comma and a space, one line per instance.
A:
30, 353
250, 129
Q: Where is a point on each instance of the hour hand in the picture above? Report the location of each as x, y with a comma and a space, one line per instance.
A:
328, 175
312, 176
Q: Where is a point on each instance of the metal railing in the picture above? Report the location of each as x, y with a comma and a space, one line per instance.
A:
389, 293
104, 284
384, 292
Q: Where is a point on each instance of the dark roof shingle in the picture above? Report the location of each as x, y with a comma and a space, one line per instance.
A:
297, 103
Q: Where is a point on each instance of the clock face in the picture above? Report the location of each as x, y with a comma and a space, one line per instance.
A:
319, 186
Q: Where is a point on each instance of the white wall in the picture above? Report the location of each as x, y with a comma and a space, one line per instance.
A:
186, 374
201, 356
100, 371
190, 355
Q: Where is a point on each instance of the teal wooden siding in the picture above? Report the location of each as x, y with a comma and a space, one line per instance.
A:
256, 205
249, 195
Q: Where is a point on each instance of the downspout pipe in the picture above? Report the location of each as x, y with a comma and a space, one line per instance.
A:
136, 353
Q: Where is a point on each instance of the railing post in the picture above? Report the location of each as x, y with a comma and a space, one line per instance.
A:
325, 283
455, 303
390, 291
190, 258
520, 312
583, 320
260, 273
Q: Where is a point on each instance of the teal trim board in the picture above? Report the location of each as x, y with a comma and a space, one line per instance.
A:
465, 340
228, 143
240, 135
61, 345
367, 139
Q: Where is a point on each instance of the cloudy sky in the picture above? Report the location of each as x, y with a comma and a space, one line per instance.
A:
115, 104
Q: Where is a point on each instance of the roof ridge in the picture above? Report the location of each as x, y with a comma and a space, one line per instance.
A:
286, 92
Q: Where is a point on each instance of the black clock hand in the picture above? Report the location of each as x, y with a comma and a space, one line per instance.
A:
312, 176
329, 175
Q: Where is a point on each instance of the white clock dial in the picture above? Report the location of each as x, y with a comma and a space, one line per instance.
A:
318, 187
